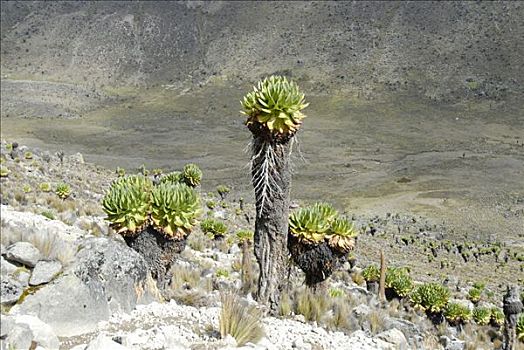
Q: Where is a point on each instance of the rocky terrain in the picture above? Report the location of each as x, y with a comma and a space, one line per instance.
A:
69, 282
414, 130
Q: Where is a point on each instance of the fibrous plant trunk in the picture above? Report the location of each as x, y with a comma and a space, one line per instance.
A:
158, 251
271, 178
318, 261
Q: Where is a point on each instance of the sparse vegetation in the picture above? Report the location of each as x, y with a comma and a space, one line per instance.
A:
240, 321
217, 229
63, 190
431, 297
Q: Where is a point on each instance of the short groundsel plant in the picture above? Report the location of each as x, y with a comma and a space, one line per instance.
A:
244, 236
45, 187
520, 328
192, 175
399, 280
63, 190
482, 315
276, 104
27, 188
321, 222
497, 317
341, 234
128, 204
4, 172
175, 209
308, 225
241, 321
174, 177
214, 228
456, 313
431, 297
371, 273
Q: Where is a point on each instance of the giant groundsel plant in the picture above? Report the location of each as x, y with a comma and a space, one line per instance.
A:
274, 115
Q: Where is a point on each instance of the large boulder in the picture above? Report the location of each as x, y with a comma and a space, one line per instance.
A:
106, 277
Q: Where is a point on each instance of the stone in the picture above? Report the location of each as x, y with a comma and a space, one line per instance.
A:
234, 249
79, 347
22, 277
104, 343
19, 337
42, 333
361, 311
44, 272
6, 325
6, 268
11, 291
410, 330
394, 336
23, 253
452, 343
77, 158
299, 344
2, 249
106, 277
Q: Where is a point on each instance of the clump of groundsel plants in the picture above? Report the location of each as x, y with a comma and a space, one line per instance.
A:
319, 240
155, 220
432, 298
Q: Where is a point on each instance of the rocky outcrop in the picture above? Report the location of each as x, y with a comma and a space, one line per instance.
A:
106, 277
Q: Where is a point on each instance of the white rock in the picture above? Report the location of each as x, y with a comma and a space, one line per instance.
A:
42, 333
19, 337
361, 311
103, 342
10, 291
6, 267
44, 272
23, 253
394, 336
79, 347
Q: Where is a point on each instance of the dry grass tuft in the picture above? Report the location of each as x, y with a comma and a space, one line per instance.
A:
241, 321
312, 306
184, 277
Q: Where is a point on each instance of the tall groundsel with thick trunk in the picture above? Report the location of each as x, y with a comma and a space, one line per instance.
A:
274, 115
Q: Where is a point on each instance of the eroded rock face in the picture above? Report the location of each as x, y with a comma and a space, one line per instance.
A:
106, 277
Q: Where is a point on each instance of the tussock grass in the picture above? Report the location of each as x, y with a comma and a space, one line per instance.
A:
312, 306
241, 321
184, 277
50, 245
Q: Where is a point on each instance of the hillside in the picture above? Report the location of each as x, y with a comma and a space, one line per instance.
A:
441, 50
